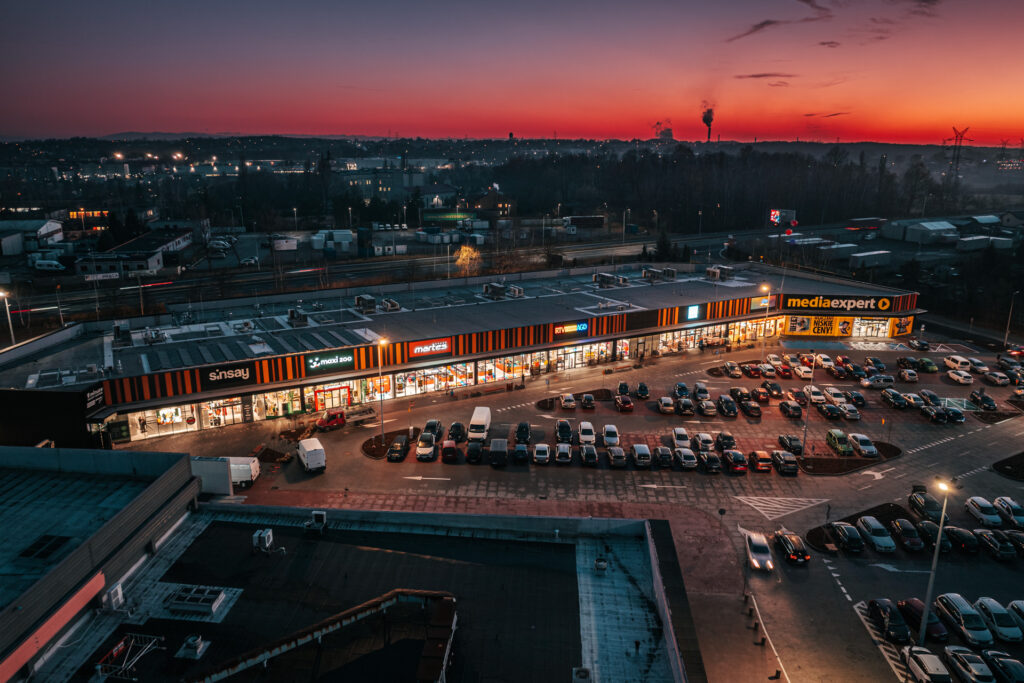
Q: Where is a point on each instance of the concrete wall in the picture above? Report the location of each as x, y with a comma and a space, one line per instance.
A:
147, 465
22, 350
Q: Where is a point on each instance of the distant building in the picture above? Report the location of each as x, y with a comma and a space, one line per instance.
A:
166, 240
494, 202
11, 242
1013, 219
36, 233
121, 264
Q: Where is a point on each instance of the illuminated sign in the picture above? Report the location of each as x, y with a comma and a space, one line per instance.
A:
693, 312
839, 303
430, 347
572, 329
317, 363
228, 375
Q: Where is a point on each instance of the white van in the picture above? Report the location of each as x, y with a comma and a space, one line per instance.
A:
49, 265
244, 471
957, 363
480, 424
311, 455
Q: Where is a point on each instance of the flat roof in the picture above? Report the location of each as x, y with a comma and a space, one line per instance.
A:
45, 515
242, 329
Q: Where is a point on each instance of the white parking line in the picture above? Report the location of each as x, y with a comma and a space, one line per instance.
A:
889, 651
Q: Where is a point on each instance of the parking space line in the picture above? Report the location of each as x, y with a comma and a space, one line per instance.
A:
889, 651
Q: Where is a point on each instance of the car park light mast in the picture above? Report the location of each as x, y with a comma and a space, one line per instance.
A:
923, 626
764, 326
7, 305
380, 384
1009, 316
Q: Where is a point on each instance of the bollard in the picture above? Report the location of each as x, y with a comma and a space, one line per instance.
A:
777, 676
756, 626
750, 611
746, 597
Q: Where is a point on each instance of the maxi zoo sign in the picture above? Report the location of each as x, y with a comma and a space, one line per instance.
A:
318, 363
840, 303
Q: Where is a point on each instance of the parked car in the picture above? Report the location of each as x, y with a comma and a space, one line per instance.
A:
457, 432
523, 432
906, 362
642, 392
906, 534
995, 378
541, 454
726, 406
685, 458
700, 391
1011, 511
735, 461
962, 540
568, 401
998, 620
588, 453
520, 454
863, 446
641, 455
849, 411
563, 454
681, 390
474, 451
759, 555
563, 431
907, 375
934, 414
960, 376
855, 398
978, 366
797, 395
684, 406
587, 402
912, 610
885, 615
995, 543
983, 511
790, 409
449, 452
828, 411
926, 506
707, 408
929, 532
623, 389
847, 537
785, 462
666, 406
918, 344
979, 398
893, 398
732, 369
611, 435
751, 408
709, 461
791, 443
923, 665
760, 394
702, 441
616, 457
426, 447
664, 456
398, 449
837, 441
927, 365
623, 403
751, 370
963, 619
966, 665
760, 461
1003, 666
586, 434
814, 394
875, 534
724, 441
774, 389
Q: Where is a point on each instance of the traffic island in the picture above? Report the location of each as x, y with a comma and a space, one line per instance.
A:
375, 449
991, 417
821, 539
832, 465
1012, 467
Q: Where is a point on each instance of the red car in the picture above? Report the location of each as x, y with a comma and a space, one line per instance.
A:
750, 370
623, 403
807, 359
761, 395
797, 395
332, 418
784, 372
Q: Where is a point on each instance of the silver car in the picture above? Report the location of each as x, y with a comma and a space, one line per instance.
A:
759, 553
1010, 510
999, 621
983, 511
875, 535
863, 446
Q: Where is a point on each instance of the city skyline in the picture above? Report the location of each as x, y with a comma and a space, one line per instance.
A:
903, 71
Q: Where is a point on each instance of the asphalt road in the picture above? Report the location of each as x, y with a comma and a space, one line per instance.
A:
808, 611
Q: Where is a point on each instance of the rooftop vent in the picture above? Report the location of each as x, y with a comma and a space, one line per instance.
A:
494, 290
650, 273
365, 303
515, 292
203, 600
390, 306
297, 318
604, 279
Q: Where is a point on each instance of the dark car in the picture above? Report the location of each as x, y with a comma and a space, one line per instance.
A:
1016, 538
563, 431
750, 370
726, 406
707, 408
724, 441
434, 427
474, 451
457, 432
521, 454
623, 403
847, 537
837, 371
962, 540
785, 462
791, 409
750, 408
893, 398
906, 535
760, 394
684, 406
829, 411
929, 531
732, 369
982, 400
875, 363
739, 394
681, 390
934, 415
700, 391
791, 442
798, 395
449, 452
735, 461
925, 506
589, 454
954, 416
855, 371
623, 389
663, 456
1003, 666
918, 344
774, 389
709, 461
888, 620
996, 543
399, 448
855, 398
926, 365
912, 610
523, 433
642, 392
792, 547
906, 363
588, 402
929, 397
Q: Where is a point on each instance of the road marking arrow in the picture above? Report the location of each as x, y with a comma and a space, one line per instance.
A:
877, 475
428, 478
660, 486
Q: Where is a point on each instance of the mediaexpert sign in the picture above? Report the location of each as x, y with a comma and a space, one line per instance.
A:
571, 330
441, 346
232, 375
332, 361
838, 303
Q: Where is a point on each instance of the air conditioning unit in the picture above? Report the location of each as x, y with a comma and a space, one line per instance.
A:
604, 279
390, 305
113, 599
365, 303
515, 291
651, 273
494, 290
621, 280
263, 540
669, 273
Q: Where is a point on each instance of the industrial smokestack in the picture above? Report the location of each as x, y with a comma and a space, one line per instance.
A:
707, 117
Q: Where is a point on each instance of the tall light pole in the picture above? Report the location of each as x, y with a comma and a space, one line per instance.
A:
807, 413
381, 343
764, 327
7, 304
923, 626
700, 222
1009, 316
295, 217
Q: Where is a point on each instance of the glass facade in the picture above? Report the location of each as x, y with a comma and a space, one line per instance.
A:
870, 327
750, 330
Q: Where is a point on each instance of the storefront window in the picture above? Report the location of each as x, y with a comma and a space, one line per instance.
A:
870, 327
278, 404
220, 413
751, 330
145, 424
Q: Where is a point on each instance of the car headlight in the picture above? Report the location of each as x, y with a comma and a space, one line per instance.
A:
768, 565
756, 564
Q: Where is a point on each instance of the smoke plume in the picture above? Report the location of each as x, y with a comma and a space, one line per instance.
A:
708, 116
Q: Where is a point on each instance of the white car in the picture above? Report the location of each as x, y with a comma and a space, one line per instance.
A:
611, 435
686, 458
641, 455
983, 511
834, 396
541, 454
767, 370
999, 379
977, 365
908, 375
875, 535
960, 377
849, 411
803, 372
587, 433
923, 666
666, 405
1010, 511
999, 621
824, 361
568, 401
863, 446
426, 446
563, 454
680, 439
814, 394
759, 553
774, 360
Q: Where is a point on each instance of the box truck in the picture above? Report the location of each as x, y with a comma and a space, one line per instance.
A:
311, 455
244, 471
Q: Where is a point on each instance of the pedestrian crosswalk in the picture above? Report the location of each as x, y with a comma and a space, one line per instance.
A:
933, 444
773, 507
516, 406
888, 650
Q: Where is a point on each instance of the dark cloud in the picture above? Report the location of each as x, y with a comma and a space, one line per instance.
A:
757, 28
778, 84
918, 8
821, 13
829, 43
810, 114
766, 75
834, 114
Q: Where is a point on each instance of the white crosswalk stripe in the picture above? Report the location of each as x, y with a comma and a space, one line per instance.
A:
888, 650
773, 507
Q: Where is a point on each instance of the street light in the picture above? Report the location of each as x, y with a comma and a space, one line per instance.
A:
764, 327
923, 626
7, 305
381, 343
295, 217
1009, 316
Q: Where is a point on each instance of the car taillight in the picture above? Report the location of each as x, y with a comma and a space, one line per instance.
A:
792, 556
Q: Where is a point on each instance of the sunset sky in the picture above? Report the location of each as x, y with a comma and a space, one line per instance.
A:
886, 70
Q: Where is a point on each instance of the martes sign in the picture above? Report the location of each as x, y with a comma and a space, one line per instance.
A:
845, 304
430, 347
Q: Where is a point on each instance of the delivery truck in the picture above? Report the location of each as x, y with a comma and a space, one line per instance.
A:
244, 471
311, 455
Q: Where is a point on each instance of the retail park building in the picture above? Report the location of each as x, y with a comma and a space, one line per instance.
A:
248, 360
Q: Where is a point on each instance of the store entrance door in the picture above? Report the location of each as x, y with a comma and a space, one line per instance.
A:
332, 397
